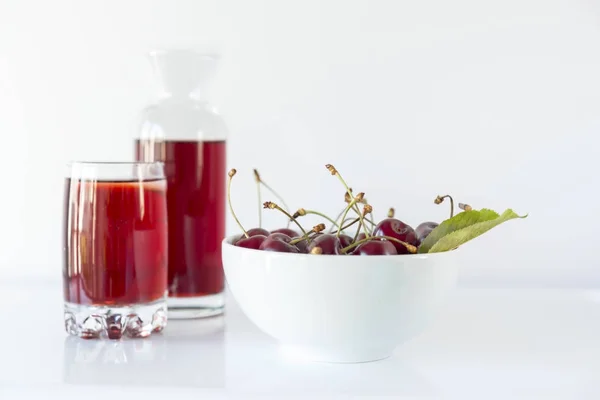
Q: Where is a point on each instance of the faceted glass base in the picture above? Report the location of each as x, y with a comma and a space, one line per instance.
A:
114, 322
196, 307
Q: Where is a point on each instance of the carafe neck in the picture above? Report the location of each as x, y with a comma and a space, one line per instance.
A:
183, 73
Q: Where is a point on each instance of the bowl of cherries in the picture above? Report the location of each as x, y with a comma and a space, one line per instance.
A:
350, 288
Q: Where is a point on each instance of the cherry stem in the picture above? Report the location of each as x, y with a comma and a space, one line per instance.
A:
337, 219
353, 202
360, 225
274, 193
348, 226
257, 179
347, 196
351, 219
272, 206
372, 228
335, 172
464, 207
348, 219
298, 240
440, 199
356, 209
231, 175
320, 215
315, 229
411, 249
367, 209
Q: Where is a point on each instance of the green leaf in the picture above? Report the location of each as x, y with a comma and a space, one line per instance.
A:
458, 222
461, 236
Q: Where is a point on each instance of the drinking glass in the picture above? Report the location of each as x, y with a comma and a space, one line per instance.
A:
115, 249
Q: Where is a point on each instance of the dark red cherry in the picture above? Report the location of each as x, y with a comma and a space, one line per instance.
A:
399, 230
361, 236
251, 233
375, 248
280, 243
345, 240
253, 242
329, 243
286, 231
258, 231
423, 230
301, 245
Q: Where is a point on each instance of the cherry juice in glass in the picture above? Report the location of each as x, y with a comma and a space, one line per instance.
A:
115, 250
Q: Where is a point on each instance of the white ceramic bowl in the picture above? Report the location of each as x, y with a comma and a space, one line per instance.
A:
338, 308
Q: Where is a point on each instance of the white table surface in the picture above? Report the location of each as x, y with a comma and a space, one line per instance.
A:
488, 343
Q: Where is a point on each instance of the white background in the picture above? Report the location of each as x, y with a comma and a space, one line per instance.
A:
497, 103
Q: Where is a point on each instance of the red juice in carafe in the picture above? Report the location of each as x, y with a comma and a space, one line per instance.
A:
195, 172
115, 250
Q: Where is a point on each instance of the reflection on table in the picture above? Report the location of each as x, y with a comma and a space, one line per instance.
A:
188, 353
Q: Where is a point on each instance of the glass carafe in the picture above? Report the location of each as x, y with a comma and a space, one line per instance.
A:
182, 130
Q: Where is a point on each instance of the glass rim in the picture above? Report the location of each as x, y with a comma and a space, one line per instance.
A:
91, 163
